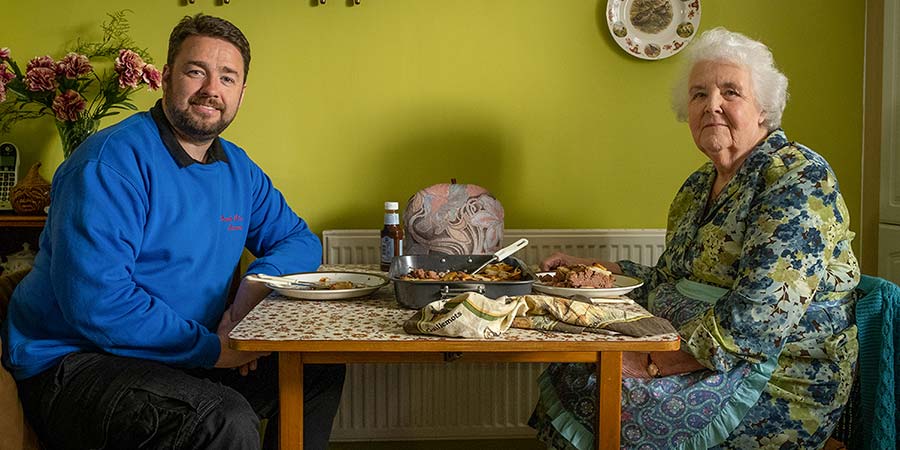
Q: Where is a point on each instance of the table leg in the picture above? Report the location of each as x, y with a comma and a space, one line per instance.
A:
290, 399
609, 403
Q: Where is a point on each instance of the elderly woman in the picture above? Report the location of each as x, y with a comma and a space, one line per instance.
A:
757, 277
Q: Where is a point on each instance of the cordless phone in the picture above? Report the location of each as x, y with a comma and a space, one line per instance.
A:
9, 168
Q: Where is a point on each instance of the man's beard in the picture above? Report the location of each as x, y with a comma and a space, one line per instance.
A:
193, 129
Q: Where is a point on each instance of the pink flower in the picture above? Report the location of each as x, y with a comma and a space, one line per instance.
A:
4, 53
41, 74
40, 79
68, 105
73, 66
6, 75
41, 61
152, 77
130, 68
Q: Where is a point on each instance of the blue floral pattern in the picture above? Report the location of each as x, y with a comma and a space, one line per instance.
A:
777, 239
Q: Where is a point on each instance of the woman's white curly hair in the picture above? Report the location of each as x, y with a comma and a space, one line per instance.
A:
719, 44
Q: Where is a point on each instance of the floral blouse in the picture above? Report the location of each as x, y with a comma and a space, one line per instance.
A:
777, 238
759, 283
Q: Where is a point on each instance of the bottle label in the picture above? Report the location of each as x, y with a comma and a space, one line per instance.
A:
391, 219
387, 250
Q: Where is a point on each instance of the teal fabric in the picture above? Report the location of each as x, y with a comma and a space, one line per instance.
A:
877, 316
576, 434
706, 293
700, 291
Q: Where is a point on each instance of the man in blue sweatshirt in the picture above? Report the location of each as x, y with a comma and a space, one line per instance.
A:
118, 336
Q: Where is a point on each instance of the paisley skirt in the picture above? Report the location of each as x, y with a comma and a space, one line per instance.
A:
793, 401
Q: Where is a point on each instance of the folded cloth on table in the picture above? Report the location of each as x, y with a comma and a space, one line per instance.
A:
473, 315
467, 315
573, 316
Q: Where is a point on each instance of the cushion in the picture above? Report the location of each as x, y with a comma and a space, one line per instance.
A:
15, 433
453, 219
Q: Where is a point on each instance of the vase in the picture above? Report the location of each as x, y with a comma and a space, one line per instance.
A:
72, 134
31, 194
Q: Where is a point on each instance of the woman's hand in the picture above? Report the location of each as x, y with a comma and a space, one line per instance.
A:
561, 259
637, 364
671, 363
634, 365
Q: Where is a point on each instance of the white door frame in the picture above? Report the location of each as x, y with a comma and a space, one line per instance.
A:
889, 193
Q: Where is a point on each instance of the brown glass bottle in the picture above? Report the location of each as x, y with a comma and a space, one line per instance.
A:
391, 235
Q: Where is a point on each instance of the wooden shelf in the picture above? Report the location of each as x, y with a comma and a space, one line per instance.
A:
21, 221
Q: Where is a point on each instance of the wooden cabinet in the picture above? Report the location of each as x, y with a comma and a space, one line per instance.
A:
18, 221
16, 229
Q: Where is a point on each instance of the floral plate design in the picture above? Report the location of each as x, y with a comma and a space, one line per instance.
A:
623, 285
653, 29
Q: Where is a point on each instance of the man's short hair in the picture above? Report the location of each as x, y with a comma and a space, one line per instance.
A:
203, 25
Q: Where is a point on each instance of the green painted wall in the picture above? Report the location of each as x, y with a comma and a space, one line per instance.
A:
348, 106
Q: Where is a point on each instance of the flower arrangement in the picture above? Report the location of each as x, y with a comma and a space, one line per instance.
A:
61, 88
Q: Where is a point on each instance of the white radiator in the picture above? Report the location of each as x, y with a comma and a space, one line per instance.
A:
393, 402
639, 245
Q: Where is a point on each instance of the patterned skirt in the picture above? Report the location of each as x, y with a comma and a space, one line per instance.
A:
792, 401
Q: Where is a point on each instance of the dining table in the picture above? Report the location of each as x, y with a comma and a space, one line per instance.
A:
369, 329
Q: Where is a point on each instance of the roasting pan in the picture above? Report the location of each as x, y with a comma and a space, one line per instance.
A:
417, 294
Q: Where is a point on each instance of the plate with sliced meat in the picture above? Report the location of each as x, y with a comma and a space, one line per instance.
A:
589, 281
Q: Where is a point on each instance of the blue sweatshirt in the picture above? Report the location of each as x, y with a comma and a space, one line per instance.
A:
138, 251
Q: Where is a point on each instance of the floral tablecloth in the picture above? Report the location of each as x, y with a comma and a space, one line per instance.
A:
376, 317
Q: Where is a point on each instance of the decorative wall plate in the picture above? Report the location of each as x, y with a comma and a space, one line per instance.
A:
653, 29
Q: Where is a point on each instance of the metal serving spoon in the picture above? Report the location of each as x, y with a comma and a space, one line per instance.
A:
502, 254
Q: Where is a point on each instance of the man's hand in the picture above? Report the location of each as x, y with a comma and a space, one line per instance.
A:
249, 294
229, 357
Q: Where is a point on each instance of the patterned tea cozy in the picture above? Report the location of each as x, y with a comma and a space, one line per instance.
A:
453, 219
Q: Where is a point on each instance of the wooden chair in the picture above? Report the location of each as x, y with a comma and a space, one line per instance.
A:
15, 432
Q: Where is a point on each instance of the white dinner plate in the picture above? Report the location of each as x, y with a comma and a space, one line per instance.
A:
653, 29
623, 285
368, 283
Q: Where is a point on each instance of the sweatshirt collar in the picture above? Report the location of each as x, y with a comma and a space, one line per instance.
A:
214, 153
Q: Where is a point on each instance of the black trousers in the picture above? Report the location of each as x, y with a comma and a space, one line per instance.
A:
101, 401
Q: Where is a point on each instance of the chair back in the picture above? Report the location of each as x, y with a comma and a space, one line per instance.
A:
870, 417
